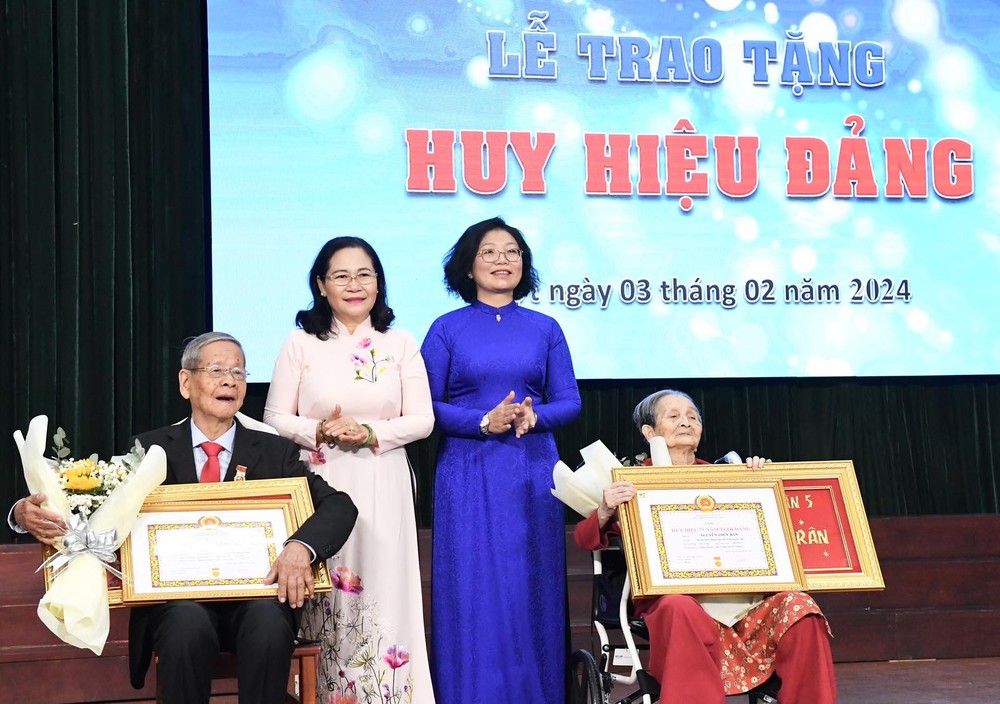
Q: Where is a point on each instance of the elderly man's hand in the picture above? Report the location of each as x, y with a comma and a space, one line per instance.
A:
292, 572
45, 525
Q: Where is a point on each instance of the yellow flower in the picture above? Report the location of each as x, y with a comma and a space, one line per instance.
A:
80, 468
82, 482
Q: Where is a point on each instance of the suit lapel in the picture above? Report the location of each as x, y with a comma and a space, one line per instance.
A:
246, 452
180, 453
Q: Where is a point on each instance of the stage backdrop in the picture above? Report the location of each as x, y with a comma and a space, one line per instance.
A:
712, 188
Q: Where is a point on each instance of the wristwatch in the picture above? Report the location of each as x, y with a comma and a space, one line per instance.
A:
484, 425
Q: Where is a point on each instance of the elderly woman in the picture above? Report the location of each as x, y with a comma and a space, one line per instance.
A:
695, 657
352, 392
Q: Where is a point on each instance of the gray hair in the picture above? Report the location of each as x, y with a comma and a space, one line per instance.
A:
645, 410
191, 357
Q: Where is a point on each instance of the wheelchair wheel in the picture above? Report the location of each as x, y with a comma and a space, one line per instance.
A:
586, 680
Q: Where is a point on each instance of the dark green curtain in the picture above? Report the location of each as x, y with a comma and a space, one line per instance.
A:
919, 445
105, 255
103, 212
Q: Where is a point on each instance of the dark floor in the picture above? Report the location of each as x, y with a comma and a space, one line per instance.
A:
910, 682
920, 682
975, 681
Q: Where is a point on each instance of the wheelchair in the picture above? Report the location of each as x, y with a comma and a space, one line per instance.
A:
591, 677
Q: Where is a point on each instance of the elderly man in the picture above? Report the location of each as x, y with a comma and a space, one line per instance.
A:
211, 446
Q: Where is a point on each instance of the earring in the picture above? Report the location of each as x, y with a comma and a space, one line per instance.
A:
469, 274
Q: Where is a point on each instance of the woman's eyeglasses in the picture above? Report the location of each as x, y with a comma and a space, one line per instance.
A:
365, 278
491, 255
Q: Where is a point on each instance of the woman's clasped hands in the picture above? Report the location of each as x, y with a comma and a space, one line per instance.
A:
510, 414
344, 430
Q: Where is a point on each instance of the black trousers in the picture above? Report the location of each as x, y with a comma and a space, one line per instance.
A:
187, 636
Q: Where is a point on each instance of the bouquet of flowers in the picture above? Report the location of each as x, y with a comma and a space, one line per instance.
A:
99, 502
88, 483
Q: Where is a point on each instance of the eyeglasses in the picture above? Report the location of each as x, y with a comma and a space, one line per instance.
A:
217, 372
365, 278
491, 256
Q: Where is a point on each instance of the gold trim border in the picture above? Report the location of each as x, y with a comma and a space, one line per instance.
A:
840, 472
291, 494
695, 477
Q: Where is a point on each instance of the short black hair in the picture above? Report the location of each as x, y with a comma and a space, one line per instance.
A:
459, 260
317, 319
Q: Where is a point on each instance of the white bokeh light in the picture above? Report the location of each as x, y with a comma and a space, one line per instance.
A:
824, 366
703, 329
477, 71
991, 241
418, 24
803, 259
375, 133
723, 5
599, 21
771, 15
323, 85
960, 114
954, 70
747, 228
918, 321
818, 27
918, 20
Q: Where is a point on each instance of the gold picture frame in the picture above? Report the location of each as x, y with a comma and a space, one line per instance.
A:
240, 528
689, 533
828, 518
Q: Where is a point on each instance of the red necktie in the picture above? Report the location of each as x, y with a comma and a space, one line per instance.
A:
210, 471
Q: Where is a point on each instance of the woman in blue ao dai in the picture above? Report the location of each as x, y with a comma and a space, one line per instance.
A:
502, 380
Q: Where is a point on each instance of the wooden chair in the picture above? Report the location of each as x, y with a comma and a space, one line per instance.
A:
305, 664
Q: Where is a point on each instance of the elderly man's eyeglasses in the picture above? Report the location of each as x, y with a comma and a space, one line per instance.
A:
217, 372
365, 278
491, 255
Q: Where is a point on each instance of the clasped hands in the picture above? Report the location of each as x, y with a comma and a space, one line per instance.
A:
344, 430
508, 414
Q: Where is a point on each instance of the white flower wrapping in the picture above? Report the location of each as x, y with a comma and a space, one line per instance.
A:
75, 608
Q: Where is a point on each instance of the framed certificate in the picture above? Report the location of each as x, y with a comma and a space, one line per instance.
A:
828, 519
830, 525
690, 533
197, 541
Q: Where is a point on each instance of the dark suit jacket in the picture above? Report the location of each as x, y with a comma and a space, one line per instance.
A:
265, 456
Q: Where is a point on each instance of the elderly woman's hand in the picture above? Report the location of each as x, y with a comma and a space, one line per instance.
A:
614, 495
756, 462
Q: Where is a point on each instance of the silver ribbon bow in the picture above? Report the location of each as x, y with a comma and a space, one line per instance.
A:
79, 540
